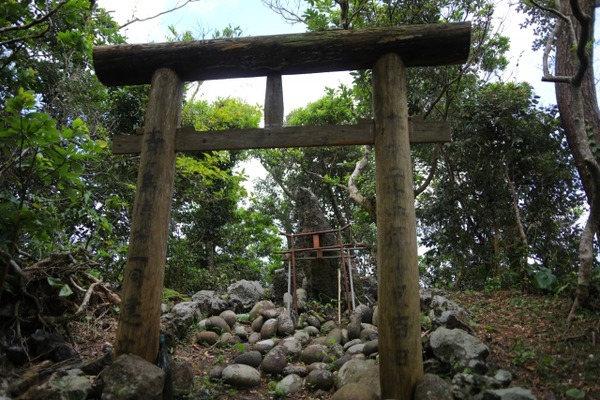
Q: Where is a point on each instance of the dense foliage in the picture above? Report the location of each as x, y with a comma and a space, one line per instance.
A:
60, 188
503, 206
501, 209
498, 206
215, 240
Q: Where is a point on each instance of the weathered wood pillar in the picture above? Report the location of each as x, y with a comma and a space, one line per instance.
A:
138, 330
401, 359
274, 102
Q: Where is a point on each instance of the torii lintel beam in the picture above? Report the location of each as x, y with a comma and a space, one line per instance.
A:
304, 53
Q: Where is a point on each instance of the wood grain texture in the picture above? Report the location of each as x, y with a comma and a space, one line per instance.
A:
304, 53
274, 102
401, 358
138, 330
189, 140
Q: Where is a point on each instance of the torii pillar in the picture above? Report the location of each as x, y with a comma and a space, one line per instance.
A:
387, 51
400, 354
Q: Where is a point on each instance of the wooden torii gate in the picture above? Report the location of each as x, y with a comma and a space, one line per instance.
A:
388, 52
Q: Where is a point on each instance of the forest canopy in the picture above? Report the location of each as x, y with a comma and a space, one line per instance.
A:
501, 206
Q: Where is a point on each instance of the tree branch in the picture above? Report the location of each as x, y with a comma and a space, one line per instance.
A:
432, 172
282, 185
25, 37
582, 54
344, 21
290, 16
35, 22
157, 15
355, 194
580, 45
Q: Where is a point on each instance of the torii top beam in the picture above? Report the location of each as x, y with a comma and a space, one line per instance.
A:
304, 53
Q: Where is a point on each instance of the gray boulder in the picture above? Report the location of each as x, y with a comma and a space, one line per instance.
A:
259, 308
459, 349
285, 325
355, 391
356, 349
217, 324
252, 358
132, 377
269, 328
311, 330
183, 376
372, 346
264, 346
319, 379
426, 296
365, 312
209, 302
301, 297
313, 321
289, 384
299, 370
363, 372
432, 387
444, 312
274, 361
313, 353
375, 319
229, 316
62, 385
514, 393
181, 318
208, 338
464, 386
244, 294
334, 336
328, 326
240, 375
293, 346
353, 326
257, 323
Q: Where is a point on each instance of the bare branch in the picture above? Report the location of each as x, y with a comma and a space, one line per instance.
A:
157, 15
355, 194
286, 13
279, 181
432, 171
547, 51
551, 11
581, 44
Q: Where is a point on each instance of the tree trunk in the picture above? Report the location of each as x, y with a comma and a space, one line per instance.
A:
566, 65
581, 120
524, 245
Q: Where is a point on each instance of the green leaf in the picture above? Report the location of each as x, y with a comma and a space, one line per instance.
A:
65, 291
575, 393
545, 279
55, 283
